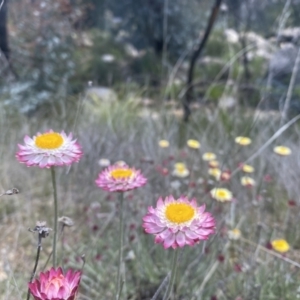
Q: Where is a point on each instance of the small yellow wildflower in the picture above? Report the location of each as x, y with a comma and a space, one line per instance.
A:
247, 169
221, 194
209, 156
194, 144
243, 141
163, 144
281, 246
180, 170
234, 234
247, 181
282, 150
215, 172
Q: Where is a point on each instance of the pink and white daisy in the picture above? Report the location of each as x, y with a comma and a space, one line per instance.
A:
55, 285
49, 149
176, 223
120, 178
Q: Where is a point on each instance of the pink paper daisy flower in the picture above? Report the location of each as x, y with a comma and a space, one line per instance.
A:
49, 149
120, 178
55, 285
176, 223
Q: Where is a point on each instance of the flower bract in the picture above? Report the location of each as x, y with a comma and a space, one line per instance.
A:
194, 144
120, 178
282, 150
208, 156
55, 285
176, 223
163, 144
221, 194
49, 149
280, 245
243, 140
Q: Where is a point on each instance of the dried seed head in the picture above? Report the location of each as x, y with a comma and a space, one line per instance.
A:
66, 221
13, 191
41, 228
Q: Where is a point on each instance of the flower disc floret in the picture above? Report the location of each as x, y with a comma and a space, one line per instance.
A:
49, 149
176, 223
55, 285
120, 178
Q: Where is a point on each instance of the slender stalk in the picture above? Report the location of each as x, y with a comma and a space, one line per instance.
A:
173, 275
36, 264
121, 240
55, 217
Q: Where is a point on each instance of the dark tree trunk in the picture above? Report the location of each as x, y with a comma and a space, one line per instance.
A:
3, 30
189, 85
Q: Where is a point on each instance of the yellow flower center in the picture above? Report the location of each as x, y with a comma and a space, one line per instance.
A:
179, 212
121, 173
221, 194
280, 245
56, 281
50, 140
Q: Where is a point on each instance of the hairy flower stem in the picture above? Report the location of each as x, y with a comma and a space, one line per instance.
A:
55, 217
173, 275
36, 263
121, 240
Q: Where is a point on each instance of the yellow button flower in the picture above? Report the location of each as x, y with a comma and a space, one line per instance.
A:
180, 170
282, 150
243, 141
194, 144
213, 164
209, 156
215, 172
247, 181
234, 234
247, 169
163, 144
281, 246
221, 194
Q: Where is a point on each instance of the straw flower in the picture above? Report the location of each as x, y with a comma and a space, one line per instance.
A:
221, 194
49, 149
234, 234
194, 144
282, 150
281, 246
55, 285
247, 181
120, 178
215, 172
180, 170
243, 141
163, 144
209, 156
176, 223
247, 168
213, 164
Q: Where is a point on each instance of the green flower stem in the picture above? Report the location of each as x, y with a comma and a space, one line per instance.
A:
173, 275
121, 240
55, 216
